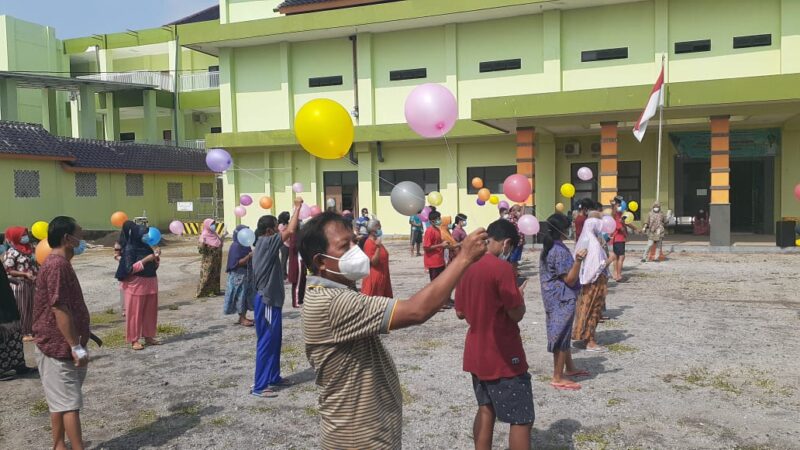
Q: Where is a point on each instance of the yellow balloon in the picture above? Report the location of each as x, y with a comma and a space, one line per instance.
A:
797, 242
627, 216
435, 198
633, 206
568, 190
39, 230
494, 199
560, 207
324, 128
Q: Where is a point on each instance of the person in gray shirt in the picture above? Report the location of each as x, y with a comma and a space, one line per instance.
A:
268, 275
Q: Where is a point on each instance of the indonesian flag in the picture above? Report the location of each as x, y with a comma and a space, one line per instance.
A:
656, 99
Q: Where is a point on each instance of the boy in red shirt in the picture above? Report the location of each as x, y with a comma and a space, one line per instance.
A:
491, 302
433, 246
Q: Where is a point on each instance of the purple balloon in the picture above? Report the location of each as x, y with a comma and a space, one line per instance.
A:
609, 224
176, 227
426, 211
245, 200
503, 205
218, 160
305, 212
585, 173
297, 187
528, 225
480, 202
239, 211
431, 110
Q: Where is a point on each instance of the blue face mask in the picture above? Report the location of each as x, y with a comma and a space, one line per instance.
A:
379, 233
80, 248
436, 223
24, 240
464, 224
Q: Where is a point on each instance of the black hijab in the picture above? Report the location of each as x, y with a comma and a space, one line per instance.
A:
134, 251
9, 315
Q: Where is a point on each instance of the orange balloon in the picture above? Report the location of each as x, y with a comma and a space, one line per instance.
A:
118, 219
484, 194
42, 251
265, 202
477, 183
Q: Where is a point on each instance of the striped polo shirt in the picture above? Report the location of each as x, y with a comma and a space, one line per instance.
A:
360, 404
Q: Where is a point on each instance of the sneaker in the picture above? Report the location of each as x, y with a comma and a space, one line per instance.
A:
644, 260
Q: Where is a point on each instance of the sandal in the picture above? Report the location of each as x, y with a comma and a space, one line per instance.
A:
27, 338
137, 346
152, 341
566, 387
266, 393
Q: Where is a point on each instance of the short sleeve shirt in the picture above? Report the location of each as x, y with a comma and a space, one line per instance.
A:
621, 232
267, 269
360, 402
433, 258
57, 285
579, 221
558, 263
459, 234
416, 223
493, 347
13, 259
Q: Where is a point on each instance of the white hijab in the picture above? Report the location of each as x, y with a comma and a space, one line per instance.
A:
595, 261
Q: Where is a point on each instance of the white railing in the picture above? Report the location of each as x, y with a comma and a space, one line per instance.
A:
199, 81
198, 144
163, 81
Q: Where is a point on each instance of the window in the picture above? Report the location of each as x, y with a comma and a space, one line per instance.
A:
125, 137
213, 68
348, 178
427, 179
86, 185
693, 46
166, 135
584, 189
207, 190
757, 40
174, 192
325, 81
496, 66
493, 177
216, 130
629, 182
409, 74
26, 183
134, 185
604, 54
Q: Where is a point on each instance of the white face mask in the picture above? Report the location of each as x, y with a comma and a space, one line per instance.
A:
354, 264
656, 209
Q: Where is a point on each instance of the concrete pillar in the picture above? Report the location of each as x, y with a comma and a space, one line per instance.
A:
175, 55
366, 97
49, 110
545, 176
9, 109
366, 190
552, 49
286, 82
227, 90
608, 162
150, 117
526, 158
720, 207
84, 114
112, 118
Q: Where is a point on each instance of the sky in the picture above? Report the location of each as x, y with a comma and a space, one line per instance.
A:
79, 18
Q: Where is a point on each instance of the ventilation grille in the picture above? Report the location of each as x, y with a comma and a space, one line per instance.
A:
703, 45
604, 54
325, 81
756, 40
503, 64
408, 74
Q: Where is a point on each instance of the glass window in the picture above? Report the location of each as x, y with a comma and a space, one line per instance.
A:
207, 190
629, 183
584, 189
427, 179
492, 176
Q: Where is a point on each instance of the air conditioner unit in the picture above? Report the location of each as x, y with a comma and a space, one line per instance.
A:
572, 148
199, 117
595, 148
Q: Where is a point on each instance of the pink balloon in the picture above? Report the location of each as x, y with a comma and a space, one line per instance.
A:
609, 225
517, 187
176, 227
431, 110
245, 200
503, 205
585, 173
239, 211
314, 210
528, 225
424, 214
305, 212
797, 191
297, 187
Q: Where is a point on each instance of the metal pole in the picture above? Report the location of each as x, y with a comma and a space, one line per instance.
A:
660, 126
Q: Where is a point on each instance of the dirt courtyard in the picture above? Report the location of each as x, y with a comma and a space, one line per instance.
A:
703, 354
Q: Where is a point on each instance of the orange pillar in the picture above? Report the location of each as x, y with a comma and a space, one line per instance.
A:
526, 158
720, 208
608, 162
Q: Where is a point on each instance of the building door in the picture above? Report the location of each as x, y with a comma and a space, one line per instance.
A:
693, 178
342, 187
751, 195
584, 189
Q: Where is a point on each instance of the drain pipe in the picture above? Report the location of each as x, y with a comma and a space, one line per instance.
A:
354, 45
379, 145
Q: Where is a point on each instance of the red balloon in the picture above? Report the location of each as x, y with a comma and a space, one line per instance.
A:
517, 187
797, 191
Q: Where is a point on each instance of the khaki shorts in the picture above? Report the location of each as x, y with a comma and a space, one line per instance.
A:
62, 382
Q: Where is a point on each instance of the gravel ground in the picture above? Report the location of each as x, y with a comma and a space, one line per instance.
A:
704, 355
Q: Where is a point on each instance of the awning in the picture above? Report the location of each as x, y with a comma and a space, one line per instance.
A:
37, 81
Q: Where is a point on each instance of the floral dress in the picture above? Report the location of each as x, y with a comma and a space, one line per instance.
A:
23, 289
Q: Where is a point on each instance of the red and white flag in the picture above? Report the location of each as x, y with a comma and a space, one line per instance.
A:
656, 99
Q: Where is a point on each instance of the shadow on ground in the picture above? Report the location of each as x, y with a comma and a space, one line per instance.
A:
558, 436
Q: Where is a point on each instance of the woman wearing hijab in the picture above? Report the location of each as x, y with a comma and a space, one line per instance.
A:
654, 227
137, 273
594, 285
20, 263
211, 265
12, 356
240, 289
378, 283
558, 274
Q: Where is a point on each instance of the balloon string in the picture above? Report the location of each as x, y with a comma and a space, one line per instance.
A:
381, 178
452, 159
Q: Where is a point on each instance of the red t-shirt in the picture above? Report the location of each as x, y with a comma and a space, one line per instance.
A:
621, 233
579, 225
433, 258
57, 285
493, 348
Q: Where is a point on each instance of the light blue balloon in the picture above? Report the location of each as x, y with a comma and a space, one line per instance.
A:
246, 237
623, 206
153, 237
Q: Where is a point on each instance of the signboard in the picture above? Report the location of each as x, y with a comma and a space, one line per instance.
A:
186, 206
743, 143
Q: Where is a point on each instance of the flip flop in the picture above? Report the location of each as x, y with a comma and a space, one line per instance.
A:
598, 349
579, 373
566, 387
137, 346
266, 393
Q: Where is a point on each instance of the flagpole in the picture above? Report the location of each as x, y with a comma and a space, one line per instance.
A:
660, 123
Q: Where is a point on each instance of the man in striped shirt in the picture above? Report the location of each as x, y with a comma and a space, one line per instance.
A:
360, 399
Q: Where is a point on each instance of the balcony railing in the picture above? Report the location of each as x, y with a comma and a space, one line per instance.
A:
199, 144
163, 81
199, 81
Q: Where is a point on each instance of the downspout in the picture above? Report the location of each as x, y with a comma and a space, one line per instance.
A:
176, 102
354, 45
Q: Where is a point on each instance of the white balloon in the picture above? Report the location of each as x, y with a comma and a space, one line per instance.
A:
408, 198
